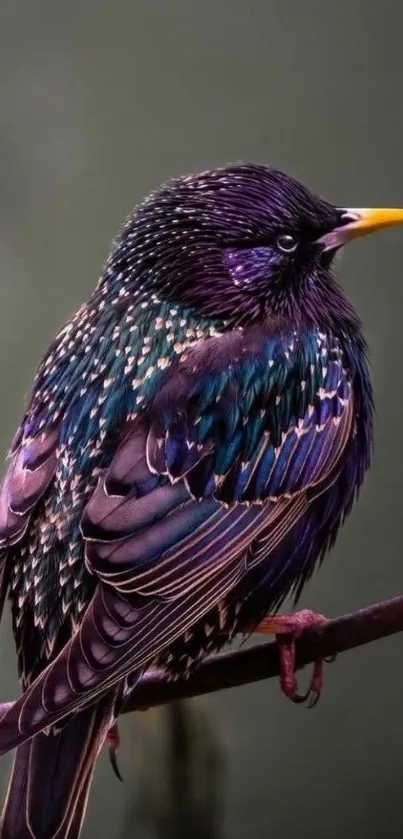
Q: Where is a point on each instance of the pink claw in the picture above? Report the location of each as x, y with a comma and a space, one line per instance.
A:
287, 629
113, 741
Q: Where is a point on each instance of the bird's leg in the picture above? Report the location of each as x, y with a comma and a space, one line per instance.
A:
113, 740
287, 628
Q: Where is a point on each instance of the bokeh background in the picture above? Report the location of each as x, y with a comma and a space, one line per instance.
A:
99, 102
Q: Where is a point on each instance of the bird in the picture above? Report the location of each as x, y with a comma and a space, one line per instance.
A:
195, 437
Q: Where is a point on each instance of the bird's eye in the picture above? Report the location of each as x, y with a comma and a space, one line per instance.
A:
286, 243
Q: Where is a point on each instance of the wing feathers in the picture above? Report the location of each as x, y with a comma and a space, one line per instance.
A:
83, 679
207, 484
29, 474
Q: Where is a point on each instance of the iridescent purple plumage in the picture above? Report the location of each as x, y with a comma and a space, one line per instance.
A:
195, 437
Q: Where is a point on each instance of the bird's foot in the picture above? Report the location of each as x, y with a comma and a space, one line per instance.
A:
113, 741
287, 628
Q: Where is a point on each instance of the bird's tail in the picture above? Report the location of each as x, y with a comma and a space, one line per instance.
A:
51, 779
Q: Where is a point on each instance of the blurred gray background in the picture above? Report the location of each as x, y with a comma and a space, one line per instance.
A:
99, 102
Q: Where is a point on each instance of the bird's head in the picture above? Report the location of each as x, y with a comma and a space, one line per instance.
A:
243, 243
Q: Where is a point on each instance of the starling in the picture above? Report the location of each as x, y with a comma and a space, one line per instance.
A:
196, 435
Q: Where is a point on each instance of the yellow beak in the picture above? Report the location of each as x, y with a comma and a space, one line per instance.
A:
359, 222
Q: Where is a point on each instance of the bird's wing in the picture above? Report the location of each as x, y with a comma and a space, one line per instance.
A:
30, 470
237, 439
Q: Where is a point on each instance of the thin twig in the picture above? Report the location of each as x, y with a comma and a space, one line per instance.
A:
261, 661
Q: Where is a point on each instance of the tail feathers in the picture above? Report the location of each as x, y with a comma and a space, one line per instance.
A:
51, 778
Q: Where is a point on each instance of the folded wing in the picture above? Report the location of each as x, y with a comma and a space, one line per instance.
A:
229, 455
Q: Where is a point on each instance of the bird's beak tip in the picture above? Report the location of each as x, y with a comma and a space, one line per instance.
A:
360, 222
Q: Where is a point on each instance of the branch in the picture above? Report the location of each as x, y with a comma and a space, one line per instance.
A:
240, 667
